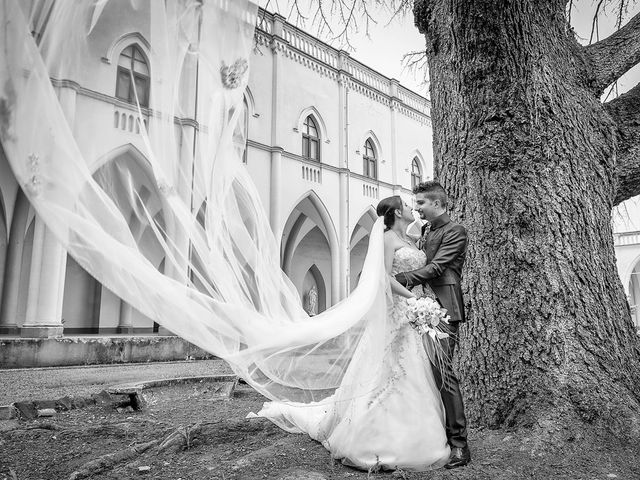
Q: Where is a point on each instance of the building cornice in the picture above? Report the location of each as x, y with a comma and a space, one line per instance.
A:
147, 112
338, 65
326, 166
626, 238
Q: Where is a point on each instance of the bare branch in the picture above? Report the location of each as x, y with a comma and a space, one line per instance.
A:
625, 111
615, 55
594, 23
568, 11
339, 19
622, 10
417, 63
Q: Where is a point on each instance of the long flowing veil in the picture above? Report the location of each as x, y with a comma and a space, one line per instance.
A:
221, 286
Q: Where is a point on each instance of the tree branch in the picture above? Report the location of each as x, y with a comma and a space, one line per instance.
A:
625, 111
615, 55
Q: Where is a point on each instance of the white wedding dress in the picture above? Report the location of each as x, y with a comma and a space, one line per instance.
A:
396, 420
221, 287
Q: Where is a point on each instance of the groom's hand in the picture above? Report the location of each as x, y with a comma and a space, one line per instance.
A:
402, 280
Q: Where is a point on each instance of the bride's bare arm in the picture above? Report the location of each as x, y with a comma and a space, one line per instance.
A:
389, 251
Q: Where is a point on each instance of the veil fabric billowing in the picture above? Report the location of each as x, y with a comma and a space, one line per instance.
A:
221, 286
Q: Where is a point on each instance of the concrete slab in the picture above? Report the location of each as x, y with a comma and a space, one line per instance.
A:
37, 384
7, 412
95, 350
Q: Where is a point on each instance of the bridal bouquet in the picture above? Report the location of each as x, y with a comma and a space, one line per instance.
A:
425, 315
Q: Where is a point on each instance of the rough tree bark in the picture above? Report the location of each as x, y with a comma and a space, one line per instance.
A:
534, 163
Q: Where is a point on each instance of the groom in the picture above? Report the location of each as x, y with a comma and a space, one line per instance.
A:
445, 244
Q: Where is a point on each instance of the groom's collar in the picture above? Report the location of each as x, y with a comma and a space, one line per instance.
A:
440, 221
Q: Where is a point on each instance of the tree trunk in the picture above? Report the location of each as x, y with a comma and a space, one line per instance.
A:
527, 151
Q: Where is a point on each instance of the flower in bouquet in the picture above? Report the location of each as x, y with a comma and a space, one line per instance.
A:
425, 315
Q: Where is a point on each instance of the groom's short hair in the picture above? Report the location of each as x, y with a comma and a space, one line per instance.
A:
433, 191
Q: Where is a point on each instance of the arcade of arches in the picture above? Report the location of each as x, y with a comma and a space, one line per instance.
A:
29, 277
309, 256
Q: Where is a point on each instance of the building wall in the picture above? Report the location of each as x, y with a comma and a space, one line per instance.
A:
321, 212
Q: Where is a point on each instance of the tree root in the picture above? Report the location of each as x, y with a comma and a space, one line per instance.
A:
110, 460
40, 426
180, 439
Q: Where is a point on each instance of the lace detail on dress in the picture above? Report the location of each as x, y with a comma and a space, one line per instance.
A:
399, 331
396, 418
406, 259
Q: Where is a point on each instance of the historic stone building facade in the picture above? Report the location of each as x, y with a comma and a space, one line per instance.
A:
327, 137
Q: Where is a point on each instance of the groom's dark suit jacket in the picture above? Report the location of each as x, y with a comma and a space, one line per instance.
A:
445, 245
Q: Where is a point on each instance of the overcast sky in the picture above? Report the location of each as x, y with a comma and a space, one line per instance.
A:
388, 41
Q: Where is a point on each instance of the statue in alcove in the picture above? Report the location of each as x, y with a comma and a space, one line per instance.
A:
311, 304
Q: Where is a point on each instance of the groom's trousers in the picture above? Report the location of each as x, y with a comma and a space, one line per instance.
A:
447, 383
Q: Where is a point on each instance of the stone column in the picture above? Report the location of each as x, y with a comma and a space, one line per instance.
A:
48, 263
274, 194
277, 43
4, 246
125, 324
47, 260
344, 232
13, 266
393, 107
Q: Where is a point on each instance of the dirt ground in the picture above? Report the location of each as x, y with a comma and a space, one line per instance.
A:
233, 447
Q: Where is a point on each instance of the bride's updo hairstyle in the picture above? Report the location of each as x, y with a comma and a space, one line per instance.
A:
387, 207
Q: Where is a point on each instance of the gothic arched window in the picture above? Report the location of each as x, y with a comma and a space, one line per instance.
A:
416, 173
133, 76
310, 140
369, 160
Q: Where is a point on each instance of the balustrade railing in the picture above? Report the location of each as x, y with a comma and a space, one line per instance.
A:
627, 238
329, 56
127, 120
311, 173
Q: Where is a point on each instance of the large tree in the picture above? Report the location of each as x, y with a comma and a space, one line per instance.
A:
535, 162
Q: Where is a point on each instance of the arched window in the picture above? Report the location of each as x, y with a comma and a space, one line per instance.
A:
310, 140
416, 173
369, 160
133, 76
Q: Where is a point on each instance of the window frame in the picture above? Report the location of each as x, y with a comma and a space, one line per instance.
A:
370, 162
132, 77
308, 139
416, 177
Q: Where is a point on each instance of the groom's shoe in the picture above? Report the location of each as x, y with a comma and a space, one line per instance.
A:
460, 456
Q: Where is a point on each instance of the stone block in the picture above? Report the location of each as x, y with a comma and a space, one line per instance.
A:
120, 400
26, 410
46, 412
82, 402
221, 390
102, 397
42, 404
137, 401
7, 412
64, 404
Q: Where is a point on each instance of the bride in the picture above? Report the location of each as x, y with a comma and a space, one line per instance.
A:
397, 421
221, 287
